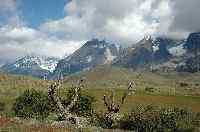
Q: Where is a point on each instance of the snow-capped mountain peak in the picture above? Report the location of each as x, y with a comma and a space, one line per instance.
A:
45, 63
31, 65
49, 64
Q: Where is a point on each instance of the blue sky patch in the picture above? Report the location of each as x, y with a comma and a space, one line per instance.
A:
36, 12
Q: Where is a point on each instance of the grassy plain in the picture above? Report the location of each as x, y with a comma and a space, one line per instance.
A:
167, 89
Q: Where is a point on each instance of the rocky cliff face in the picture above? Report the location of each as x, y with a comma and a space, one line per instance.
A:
193, 42
192, 61
91, 54
138, 56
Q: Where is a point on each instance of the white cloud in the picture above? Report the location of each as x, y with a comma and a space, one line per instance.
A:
20, 41
126, 21
71, 8
186, 15
8, 5
122, 21
70, 27
9, 11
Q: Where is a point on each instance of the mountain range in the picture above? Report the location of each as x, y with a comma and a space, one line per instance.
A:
160, 53
31, 65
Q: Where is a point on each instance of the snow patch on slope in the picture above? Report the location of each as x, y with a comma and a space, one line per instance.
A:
118, 47
178, 50
109, 56
89, 58
48, 64
155, 48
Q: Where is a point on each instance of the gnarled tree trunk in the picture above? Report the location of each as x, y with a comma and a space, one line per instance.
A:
64, 113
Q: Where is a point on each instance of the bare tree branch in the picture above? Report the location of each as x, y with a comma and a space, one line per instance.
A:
127, 91
75, 96
53, 97
112, 107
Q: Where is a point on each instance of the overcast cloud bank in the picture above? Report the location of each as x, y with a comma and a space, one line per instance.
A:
123, 22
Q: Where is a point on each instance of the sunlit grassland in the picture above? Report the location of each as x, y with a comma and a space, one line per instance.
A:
167, 90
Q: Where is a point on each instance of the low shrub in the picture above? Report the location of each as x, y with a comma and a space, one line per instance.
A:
149, 89
2, 106
151, 119
31, 104
100, 120
106, 120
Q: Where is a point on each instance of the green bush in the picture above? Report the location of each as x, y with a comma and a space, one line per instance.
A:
31, 104
83, 106
151, 119
100, 120
156, 119
149, 89
2, 106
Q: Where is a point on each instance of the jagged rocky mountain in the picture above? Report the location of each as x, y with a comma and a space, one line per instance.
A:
151, 52
185, 54
91, 54
31, 65
191, 63
168, 47
193, 42
148, 54
136, 56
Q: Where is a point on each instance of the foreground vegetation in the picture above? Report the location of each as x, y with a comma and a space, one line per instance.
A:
158, 104
34, 104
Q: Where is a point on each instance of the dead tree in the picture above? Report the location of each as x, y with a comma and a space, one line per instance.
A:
113, 108
53, 97
110, 102
63, 112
